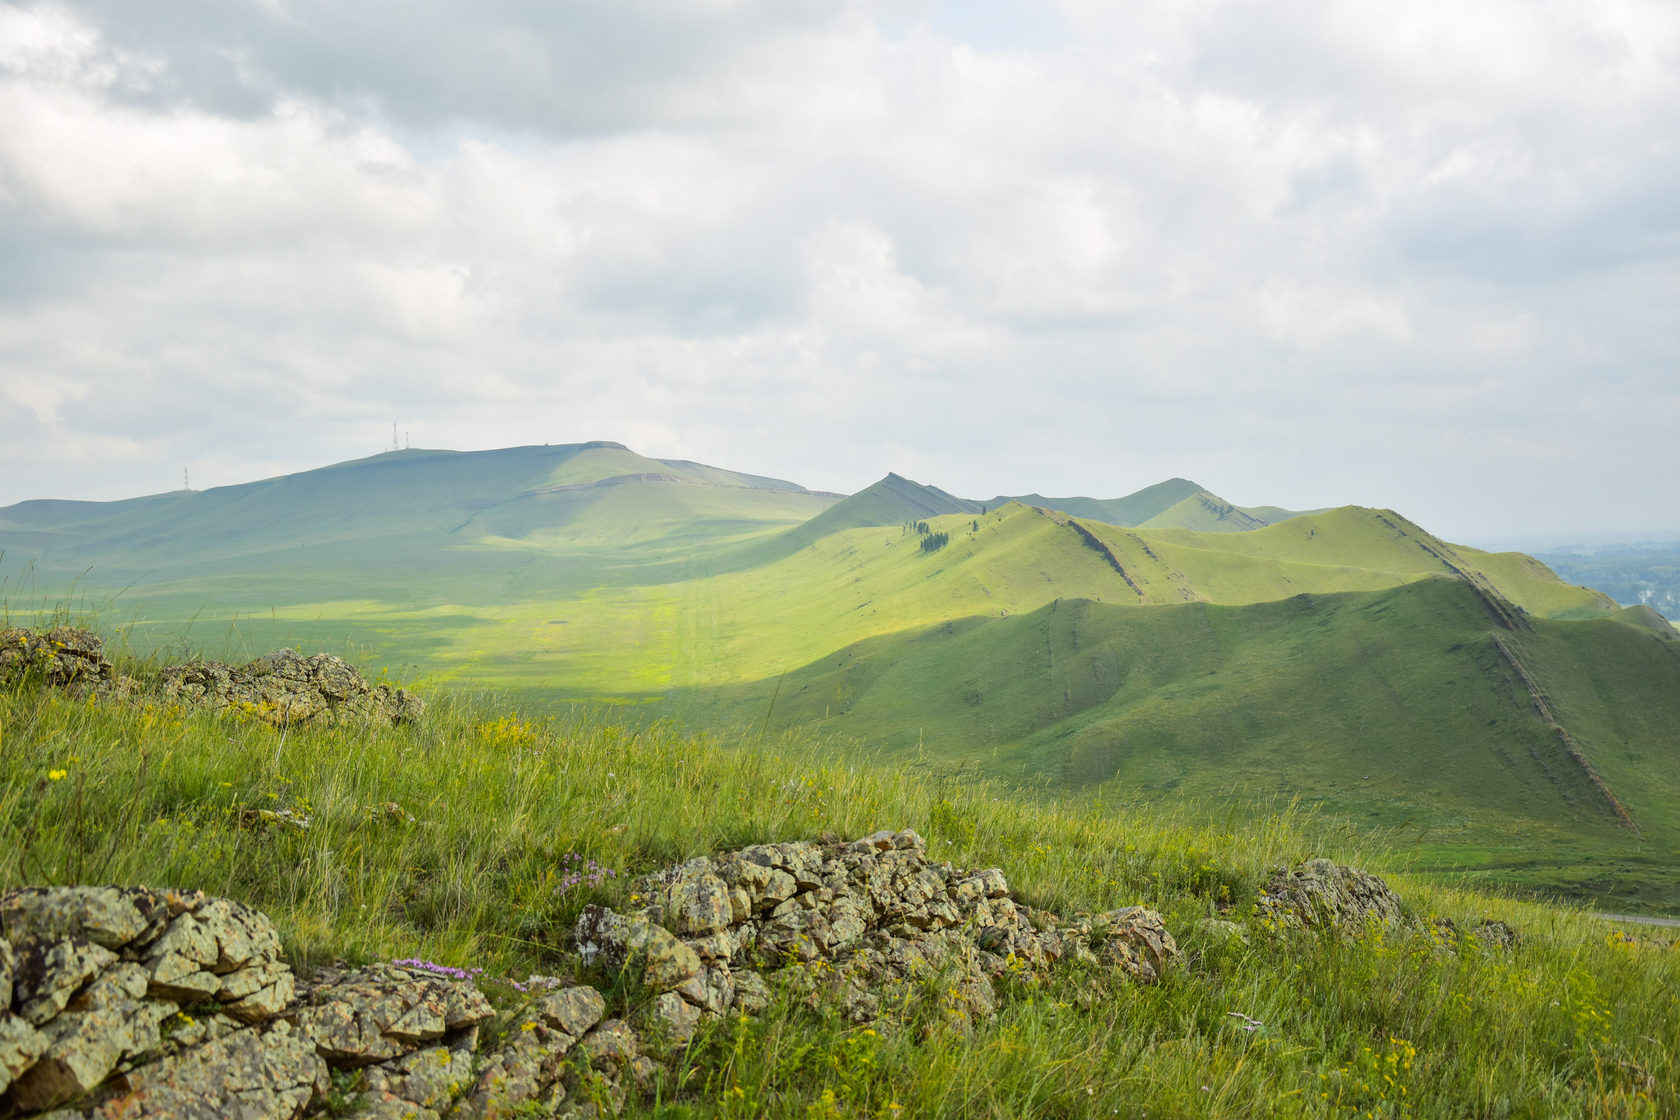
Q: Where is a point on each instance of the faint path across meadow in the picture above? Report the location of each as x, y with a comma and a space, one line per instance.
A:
1643, 920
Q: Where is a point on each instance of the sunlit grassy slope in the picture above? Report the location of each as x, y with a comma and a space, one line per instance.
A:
1399, 708
1344, 655
1175, 503
866, 582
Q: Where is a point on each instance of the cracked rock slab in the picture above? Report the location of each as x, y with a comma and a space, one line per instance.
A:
383, 1012
246, 1075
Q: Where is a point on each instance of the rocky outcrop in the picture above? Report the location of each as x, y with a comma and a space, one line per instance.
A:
854, 922
61, 656
172, 1004
1319, 893
1333, 898
285, 688
99, 977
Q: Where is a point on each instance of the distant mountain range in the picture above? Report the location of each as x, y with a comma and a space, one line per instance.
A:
1167, 642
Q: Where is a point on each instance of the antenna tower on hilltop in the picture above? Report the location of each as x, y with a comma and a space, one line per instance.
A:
185, 485
394, 436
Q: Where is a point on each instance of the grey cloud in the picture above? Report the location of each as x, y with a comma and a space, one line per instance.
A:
567, 68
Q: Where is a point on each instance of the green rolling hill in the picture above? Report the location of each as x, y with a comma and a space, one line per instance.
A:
1167, 643
1177, 503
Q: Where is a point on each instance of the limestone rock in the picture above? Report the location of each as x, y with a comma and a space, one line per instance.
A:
247, 1075
752, 994
20, 1045
60, 656
286, 688
1496, 934
610, 1045
1133, 939
873, 927
573, 1010
382, 1012
692, 900
674, 1016
421, 1084
526, 1070
107, 916
635, 944
1320, 893
46, 974
85, 1047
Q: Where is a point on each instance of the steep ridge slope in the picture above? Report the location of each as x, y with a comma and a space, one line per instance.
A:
738, 626
1409, 704
1206, 513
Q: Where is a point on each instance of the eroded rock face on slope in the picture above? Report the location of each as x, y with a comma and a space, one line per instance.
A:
162, 1004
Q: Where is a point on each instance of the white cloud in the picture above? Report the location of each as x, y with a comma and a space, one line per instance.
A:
822, 241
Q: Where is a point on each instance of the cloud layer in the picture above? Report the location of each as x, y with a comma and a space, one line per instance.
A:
1424, 256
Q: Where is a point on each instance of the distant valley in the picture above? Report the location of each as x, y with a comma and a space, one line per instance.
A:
1492, 718
1644, 573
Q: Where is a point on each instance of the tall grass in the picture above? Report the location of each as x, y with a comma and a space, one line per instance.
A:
453, 839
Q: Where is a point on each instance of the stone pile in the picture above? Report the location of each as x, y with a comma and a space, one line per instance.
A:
61, 656
151, 1004
283, 688
876, 914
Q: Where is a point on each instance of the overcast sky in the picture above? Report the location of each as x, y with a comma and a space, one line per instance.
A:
1420, 255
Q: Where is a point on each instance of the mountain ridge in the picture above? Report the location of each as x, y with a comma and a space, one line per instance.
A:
591, 573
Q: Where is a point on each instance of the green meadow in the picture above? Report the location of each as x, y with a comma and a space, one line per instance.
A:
1510, 728
447, 840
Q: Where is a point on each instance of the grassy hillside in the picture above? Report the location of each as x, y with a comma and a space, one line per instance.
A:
1177, 503
448, 841
1394, 708
393, 552
742, 625
1133, 509
419, 508
1344, 656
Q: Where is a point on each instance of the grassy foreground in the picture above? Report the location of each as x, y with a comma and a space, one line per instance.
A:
475, 837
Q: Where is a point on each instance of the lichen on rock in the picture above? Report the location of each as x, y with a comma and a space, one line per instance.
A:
1323, 894
285, 688
60, 656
